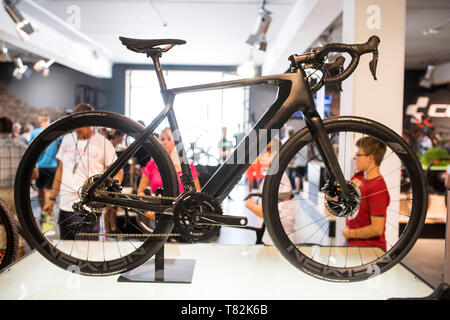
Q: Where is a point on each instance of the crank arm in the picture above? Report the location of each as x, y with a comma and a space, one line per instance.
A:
219, 219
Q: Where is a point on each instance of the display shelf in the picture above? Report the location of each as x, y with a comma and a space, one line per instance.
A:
435, 219
221, 272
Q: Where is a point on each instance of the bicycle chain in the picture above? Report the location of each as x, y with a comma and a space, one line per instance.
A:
139, 197
135, 235
130, 235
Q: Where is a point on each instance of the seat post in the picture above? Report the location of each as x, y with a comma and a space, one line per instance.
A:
159, 73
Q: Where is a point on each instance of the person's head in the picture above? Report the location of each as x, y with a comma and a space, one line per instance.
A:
117, 137
273, 146
370, 152
103, 132
43, 120
16, 129
269, 152
166, 140
83, 133
83, 107
27, 128
6, 125
291, 132
224, 132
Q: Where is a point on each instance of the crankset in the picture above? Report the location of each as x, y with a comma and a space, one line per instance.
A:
217, 219
198, 217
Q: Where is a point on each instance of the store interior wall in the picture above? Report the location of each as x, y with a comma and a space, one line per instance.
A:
58, 90
436, 94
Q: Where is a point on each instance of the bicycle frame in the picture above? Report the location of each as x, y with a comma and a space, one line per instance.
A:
294, 94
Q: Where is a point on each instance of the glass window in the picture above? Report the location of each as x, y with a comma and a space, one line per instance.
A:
200, 115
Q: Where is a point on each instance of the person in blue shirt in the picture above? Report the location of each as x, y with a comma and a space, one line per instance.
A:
46, 165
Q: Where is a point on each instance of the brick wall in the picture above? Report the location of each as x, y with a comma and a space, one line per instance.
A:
19, 111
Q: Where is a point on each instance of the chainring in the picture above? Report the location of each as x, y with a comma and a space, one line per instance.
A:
186, 206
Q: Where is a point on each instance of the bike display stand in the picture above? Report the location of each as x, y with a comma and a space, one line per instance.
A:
442, 291
161, 270
446, 282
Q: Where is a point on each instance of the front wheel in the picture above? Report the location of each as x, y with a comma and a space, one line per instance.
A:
309, 227
101, 240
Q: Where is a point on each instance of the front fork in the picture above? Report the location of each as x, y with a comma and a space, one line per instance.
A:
317, 129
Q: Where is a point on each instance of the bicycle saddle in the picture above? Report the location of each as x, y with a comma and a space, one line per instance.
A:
150, 46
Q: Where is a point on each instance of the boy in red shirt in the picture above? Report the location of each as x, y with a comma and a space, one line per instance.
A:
368, 226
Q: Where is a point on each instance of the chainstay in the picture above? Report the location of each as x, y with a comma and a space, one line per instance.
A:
134, 235
134, 196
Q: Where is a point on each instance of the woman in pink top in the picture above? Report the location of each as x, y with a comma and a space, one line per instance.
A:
150, 174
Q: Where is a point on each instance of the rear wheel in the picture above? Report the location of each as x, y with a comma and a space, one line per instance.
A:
105, 241
307, 228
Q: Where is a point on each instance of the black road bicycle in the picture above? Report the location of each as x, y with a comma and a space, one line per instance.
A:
9, 236
306, 241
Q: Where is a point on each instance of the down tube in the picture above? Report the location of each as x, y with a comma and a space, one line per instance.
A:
231, 171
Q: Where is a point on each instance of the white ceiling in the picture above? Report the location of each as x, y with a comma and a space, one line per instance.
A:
216, 30
424, 49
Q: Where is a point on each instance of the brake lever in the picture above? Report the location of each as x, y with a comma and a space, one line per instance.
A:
373, 64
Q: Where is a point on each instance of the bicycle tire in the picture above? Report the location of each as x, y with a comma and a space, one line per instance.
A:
10, 236
31, 229
381, 263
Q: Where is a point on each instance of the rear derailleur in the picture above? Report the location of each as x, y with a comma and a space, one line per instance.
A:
88, 211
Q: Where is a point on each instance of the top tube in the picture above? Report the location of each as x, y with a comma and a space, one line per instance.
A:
269, 80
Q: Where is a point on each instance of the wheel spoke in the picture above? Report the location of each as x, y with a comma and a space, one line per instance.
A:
316, 242
85, 243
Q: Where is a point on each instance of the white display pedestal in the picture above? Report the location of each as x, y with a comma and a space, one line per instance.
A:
447, 243
222, 272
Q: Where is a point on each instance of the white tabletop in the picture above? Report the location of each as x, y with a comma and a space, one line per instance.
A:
221, 272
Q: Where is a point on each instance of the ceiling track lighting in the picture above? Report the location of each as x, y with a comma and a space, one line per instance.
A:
436, 28
427, 80
164, 23
258, 38
247, 69
21, 70
4, 54
23, 27
43, 66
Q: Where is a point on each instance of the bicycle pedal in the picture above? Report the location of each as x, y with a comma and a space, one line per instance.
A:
219, 219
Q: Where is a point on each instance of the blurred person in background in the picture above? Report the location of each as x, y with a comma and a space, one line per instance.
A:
46, 166
11, 151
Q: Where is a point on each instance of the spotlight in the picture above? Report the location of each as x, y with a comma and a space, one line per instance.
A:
262, 25
427, 80
435, 29
23, 26
4, 55
42, 66
20, 70
247, 69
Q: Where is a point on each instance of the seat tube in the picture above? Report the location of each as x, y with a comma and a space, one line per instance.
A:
186, 177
